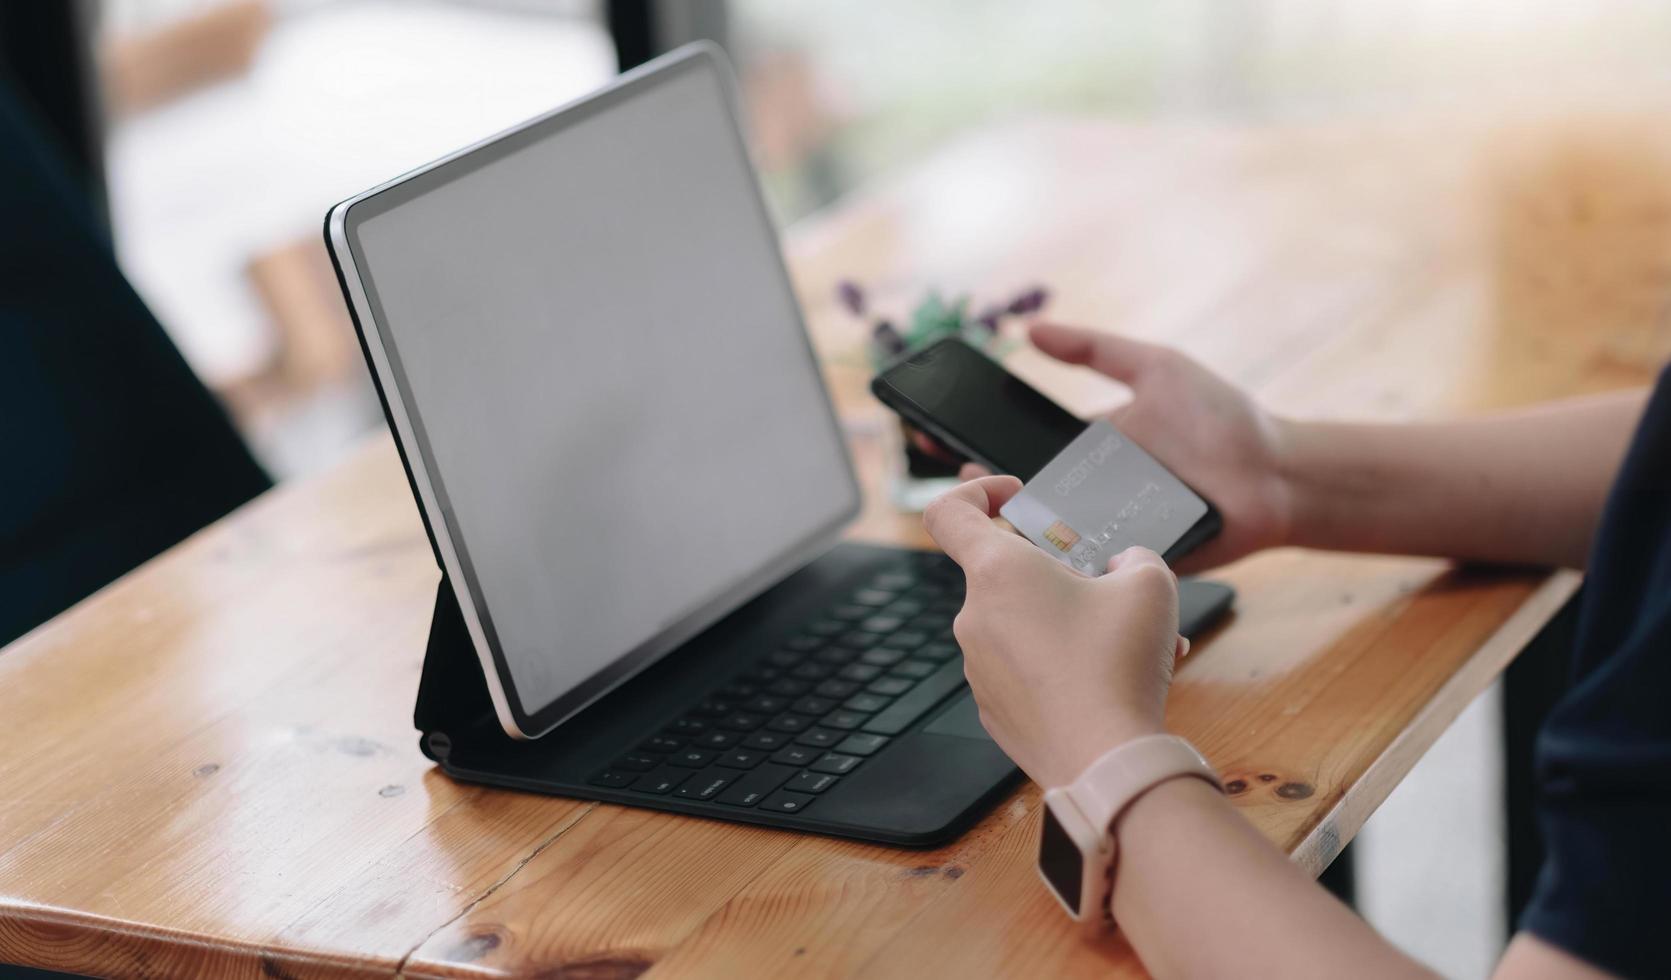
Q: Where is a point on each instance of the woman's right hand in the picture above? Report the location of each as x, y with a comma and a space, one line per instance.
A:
1198, 426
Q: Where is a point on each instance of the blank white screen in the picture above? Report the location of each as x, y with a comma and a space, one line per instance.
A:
612, 377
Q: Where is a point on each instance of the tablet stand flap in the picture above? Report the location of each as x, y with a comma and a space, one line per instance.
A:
453, 703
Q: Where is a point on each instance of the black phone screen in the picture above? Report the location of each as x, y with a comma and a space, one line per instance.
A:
967, 401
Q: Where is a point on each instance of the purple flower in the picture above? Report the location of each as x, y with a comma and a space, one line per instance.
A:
1031, 301
990, 316
887, 339
851, 296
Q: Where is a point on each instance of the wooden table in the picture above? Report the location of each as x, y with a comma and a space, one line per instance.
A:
210, 766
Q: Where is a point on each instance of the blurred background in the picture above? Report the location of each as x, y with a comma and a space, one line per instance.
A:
217, 132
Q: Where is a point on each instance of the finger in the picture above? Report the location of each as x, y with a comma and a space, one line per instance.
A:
1121, 358
1182, 649
960, 520
972, 471
931, 446
1134, 556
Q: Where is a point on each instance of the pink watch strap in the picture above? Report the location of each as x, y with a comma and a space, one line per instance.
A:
1110, 784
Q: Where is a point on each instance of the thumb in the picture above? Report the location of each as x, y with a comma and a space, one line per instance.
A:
960, 520
1120, 358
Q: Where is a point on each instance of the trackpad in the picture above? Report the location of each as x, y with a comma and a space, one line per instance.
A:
962, 718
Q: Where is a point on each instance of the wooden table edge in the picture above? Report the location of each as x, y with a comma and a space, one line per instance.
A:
1342, 823
124, 947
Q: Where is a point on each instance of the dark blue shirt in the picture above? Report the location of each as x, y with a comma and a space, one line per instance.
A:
1604, 755
110, 449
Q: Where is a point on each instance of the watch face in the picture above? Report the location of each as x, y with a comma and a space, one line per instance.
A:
1061, 863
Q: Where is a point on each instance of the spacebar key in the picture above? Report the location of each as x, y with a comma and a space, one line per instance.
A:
914, 703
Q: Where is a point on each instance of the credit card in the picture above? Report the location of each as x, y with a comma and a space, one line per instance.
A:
1098, 497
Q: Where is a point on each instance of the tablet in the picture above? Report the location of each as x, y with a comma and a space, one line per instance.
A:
596, 372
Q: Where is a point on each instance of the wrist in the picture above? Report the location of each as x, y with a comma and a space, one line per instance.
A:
1116, 730
1078, 846
1288, 497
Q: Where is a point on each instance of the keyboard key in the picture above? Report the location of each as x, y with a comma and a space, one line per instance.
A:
636, 762
837, 763
820, 738
835, 689
931, 622
790, 723
742, 721
766, 704
948, 677
662, 744
859, 673
905, 640
751, 787
710, 708
826, 627
937, 652
663, 780
691, 758
867, 702
788, 687
860, 743
812, 670
894, 580
812, 782
851, 612
706, 784
741, 759
716, 739
874, 597
882, 624
860, 640
891, 686
764, 674
915, 669
688, 726
797, 755
784, 658
738, 691
805, 643
835, 656
844, 719
882, 657
784, 801
904, 609
766, 741
614, 778
810, 705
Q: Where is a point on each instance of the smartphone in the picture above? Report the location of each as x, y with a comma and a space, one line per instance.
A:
975, 408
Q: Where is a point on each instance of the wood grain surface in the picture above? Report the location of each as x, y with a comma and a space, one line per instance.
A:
210, 767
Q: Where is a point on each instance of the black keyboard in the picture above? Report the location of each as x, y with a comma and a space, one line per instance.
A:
828, 697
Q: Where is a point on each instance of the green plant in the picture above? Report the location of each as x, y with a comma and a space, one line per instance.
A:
934, 318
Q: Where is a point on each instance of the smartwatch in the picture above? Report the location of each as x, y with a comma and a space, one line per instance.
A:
1076, 844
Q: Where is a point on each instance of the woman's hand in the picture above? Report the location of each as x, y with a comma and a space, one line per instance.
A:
1064, 667
1198, 426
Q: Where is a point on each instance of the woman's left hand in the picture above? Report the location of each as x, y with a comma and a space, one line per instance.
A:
1064, 667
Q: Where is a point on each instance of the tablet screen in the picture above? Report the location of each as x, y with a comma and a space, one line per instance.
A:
593, 335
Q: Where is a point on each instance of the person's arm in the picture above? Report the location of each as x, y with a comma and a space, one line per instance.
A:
1199, 892
1065, 668
1524, 486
